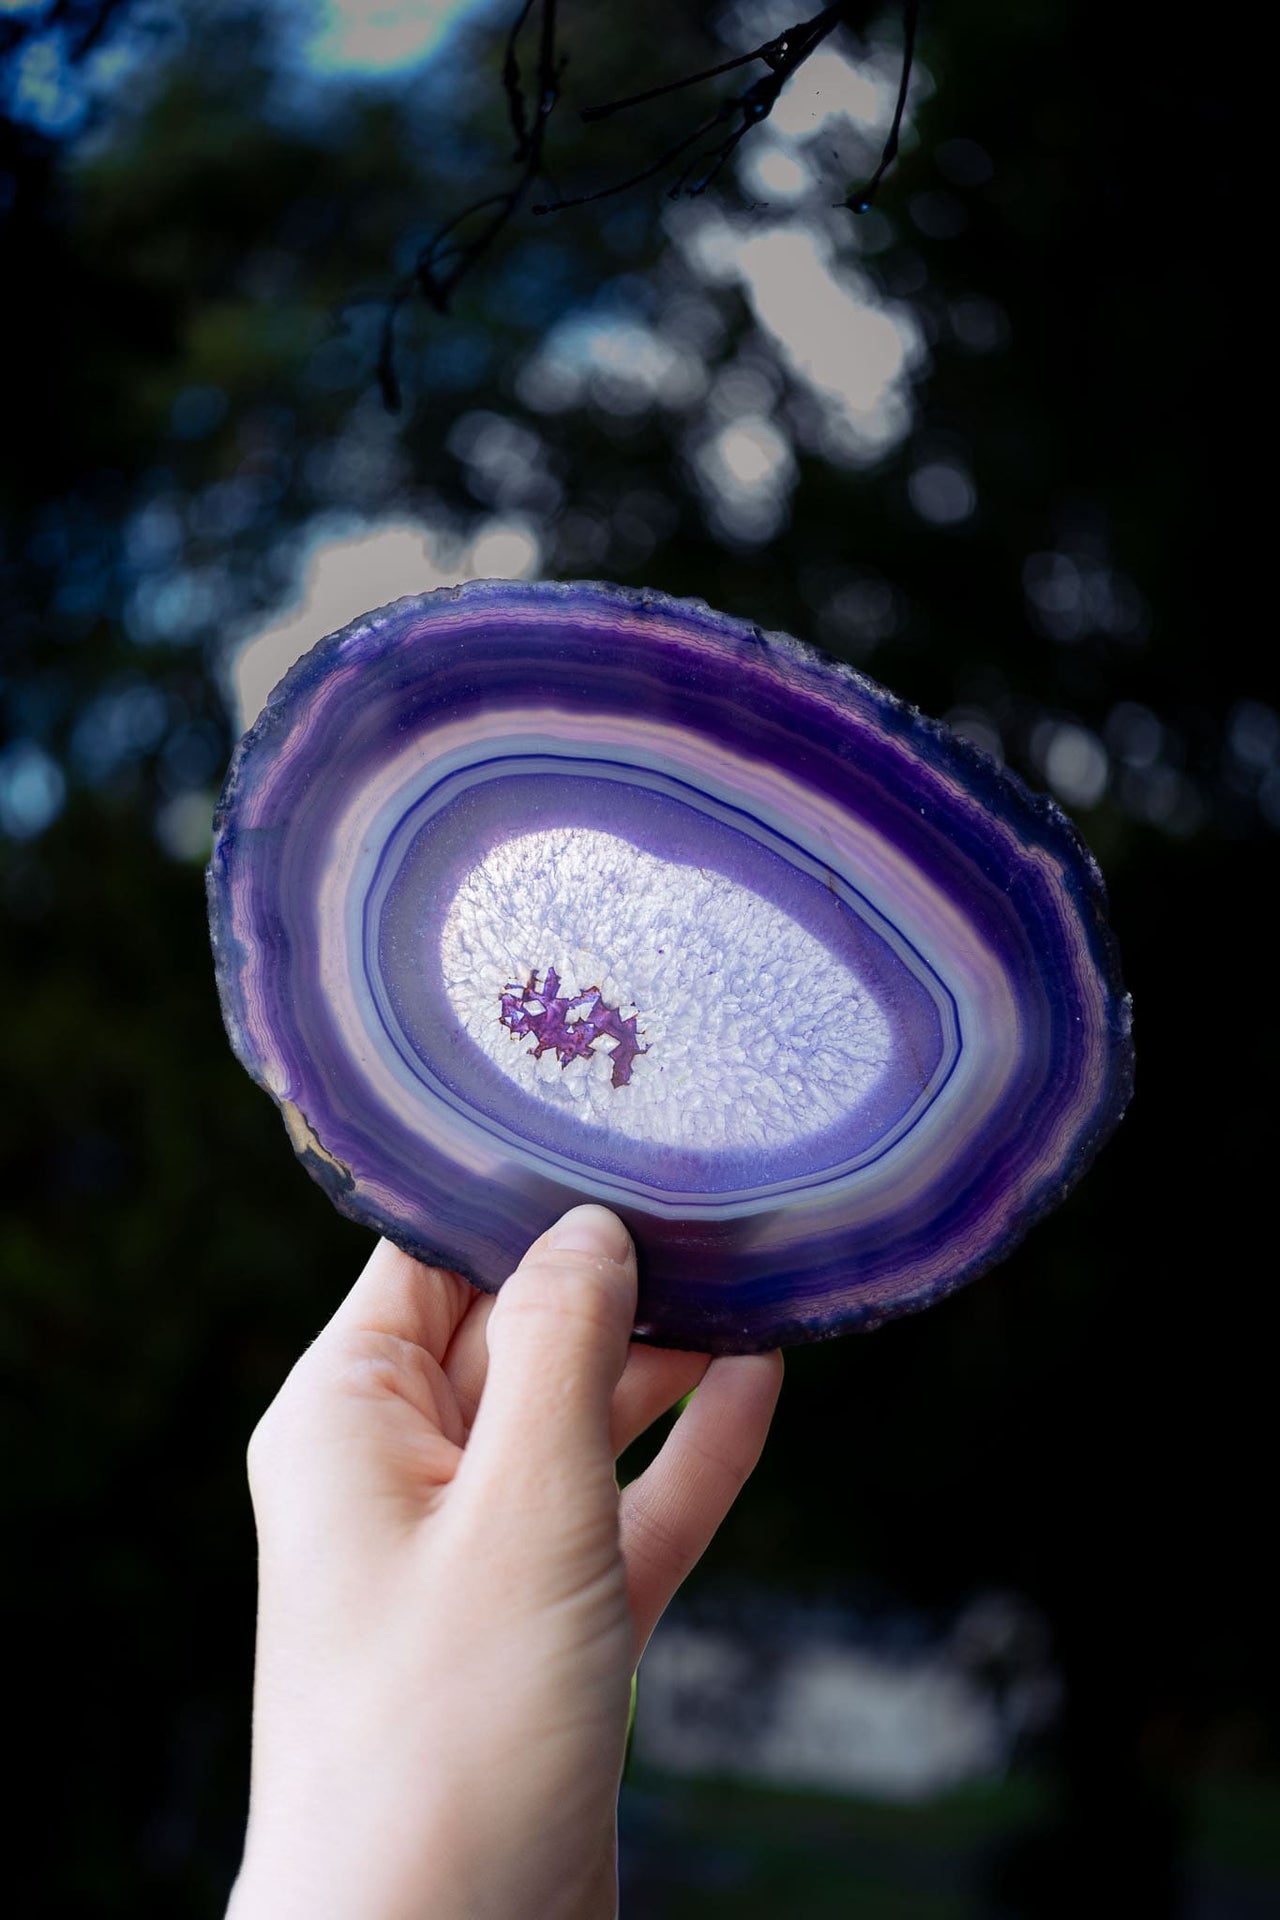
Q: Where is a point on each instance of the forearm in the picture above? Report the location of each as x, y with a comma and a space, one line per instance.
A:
355, 1872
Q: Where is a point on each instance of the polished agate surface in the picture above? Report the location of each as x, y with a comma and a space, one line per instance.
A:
528, 894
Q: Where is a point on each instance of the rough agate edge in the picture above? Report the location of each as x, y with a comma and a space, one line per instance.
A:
528, 894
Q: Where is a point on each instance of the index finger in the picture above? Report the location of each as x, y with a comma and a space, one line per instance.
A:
397, 1294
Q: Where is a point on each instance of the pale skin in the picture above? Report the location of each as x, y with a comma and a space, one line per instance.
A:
454, 1594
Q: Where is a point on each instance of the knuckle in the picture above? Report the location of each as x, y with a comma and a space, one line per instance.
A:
656, 1538
720, 1462
363, 1365
574, 1292
261, 1450
369, 1366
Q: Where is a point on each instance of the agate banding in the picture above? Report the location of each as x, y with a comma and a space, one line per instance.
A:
523, 895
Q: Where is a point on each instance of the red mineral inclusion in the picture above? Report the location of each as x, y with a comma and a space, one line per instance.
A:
558, 1023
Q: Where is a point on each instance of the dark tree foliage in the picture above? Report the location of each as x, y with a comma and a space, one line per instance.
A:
1045, 545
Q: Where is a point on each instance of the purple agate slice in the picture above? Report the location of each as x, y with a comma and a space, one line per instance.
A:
528, 894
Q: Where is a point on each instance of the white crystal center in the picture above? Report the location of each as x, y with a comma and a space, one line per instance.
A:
755, 1033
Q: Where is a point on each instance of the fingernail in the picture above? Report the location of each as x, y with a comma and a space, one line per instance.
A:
590, 1229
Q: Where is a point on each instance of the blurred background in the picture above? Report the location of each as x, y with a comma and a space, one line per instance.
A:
989, 1635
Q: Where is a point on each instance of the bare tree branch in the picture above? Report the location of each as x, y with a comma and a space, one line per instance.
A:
513, 89
860, 202
783, 55
446, 258
456, 247
688, 80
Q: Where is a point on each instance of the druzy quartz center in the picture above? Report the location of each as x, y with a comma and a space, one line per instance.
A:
527, 894
753, 1031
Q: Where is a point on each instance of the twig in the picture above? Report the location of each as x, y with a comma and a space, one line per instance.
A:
443, 261
689, 80
783, 55
861, 202
512, 88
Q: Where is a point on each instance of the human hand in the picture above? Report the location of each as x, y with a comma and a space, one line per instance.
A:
453, 1592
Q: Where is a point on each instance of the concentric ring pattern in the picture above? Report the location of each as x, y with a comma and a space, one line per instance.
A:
527, 894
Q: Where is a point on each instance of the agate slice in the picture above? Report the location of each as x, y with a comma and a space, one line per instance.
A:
523, 895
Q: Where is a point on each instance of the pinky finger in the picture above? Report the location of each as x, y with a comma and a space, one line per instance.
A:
670, 1513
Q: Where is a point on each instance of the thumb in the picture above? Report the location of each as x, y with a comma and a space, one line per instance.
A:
558, 1338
